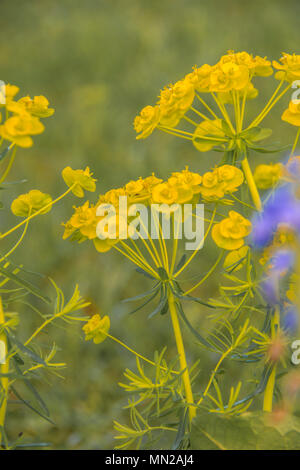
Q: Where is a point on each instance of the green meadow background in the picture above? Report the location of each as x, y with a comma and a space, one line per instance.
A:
99, 62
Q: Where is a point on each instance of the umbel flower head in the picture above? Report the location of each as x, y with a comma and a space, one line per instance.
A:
185, 187
233, 73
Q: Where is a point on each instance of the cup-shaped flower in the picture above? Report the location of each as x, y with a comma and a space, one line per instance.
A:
231, 232
292, 114
38, 106
266, 176
96, 328
31, 202
288, 66
18, 129
146, 121
79, 180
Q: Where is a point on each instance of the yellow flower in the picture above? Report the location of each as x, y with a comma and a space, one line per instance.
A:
81, 179
174, 102
163, 193
230, 232
211, 129
212, 188
231, 177
266, 176
147, 121
18, 129
289, 68
31, 202
38, 106
259, 66
137, 191
228, 76
85, 220
233, 260
112, 197
7, 93
292, 114
186, 178
96, 328
200, 78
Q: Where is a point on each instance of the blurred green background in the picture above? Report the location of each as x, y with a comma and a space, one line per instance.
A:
99, 62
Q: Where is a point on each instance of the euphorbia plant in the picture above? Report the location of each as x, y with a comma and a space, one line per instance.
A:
246, 327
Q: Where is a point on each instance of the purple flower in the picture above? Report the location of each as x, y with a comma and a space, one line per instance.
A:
290, 320
283, 261
281, 208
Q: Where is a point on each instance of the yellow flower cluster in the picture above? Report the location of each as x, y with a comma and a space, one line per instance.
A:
230, 233
97, 328
220, 181
180, 188
233, 72
24, 115
266, 176
288, 66
292, 114
33, 201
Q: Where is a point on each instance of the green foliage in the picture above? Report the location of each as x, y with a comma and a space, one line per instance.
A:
249, 431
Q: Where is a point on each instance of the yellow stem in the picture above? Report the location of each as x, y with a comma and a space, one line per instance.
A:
182, 357
206, 106
4, 368
269, 390
251, 184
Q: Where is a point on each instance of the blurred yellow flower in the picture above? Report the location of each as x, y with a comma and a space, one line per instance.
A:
236, 259
266, 176
38, 106
18, 129
230, 232
292, 114
7, 93
288, 66
81, 179
147, 121
31, 202
96, 328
